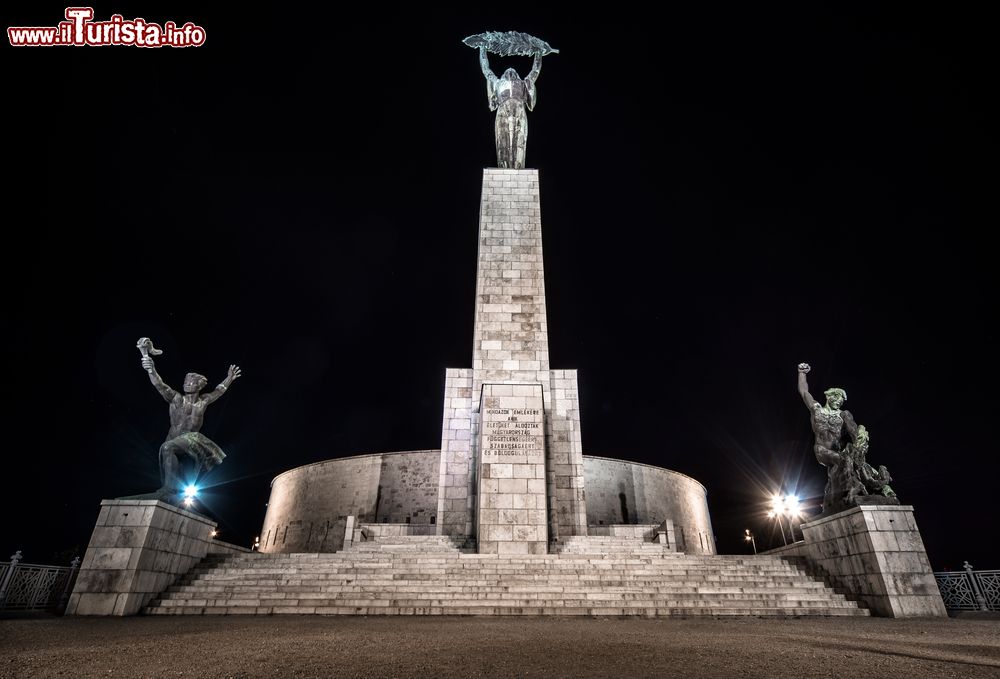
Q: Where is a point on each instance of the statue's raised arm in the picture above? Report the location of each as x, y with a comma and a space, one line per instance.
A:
529, 83
234, 374
491, 79
804, 386
146, 348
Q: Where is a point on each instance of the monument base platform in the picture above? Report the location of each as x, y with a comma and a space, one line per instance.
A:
875, 554
137, 550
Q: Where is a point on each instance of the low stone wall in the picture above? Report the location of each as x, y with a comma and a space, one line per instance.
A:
794, 549
137, 550
220, 547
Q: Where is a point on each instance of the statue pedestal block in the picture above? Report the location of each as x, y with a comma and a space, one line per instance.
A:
875, 553
137, 550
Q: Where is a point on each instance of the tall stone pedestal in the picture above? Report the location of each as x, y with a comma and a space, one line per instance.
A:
137, 550
875, 553
510, 346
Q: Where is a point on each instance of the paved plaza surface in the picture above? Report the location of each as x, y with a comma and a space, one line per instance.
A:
309, 646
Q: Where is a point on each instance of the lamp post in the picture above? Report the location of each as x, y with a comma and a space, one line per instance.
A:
787, 506
792, 511
777, 515
749, 538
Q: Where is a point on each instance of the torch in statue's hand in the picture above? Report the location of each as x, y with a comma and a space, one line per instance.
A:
146, 348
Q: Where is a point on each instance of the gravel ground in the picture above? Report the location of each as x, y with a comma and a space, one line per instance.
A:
306, 646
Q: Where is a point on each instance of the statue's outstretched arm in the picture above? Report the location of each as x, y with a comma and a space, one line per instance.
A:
166, 392
536, 69
234, 374
484, 63
804, 386
529, 83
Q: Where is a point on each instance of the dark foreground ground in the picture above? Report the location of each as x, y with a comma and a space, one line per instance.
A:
293, 646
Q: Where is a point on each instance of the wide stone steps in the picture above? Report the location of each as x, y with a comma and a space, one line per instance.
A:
392, 589
493, 610
623, 571
550, 560
804, 607
483, 579
459, 567
347, 579
385, 554
509, 598
562, 576
414, 543
472, 593
394, 579
606, 545
454, 579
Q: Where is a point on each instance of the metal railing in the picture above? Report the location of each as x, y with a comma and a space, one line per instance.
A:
969, 590
33, 587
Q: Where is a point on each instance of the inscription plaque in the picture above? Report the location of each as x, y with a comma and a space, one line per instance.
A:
512, 502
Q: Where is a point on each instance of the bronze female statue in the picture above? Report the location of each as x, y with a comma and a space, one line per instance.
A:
509, 95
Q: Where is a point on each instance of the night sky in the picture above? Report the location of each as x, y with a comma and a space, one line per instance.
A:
725, 192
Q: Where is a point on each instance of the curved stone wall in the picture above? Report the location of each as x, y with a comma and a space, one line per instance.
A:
309, 506
630, 492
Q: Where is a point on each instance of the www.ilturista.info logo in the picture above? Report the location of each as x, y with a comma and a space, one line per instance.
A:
79, 29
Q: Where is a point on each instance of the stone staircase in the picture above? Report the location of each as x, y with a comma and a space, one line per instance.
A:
431, 575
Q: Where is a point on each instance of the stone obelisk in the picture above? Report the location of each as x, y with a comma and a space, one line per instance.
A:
511, 453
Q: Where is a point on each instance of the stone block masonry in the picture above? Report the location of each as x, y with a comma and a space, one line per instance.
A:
309, 505
875, 552
510, 345
456, 481
512, 516
875, 555
510, 340
137, 550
